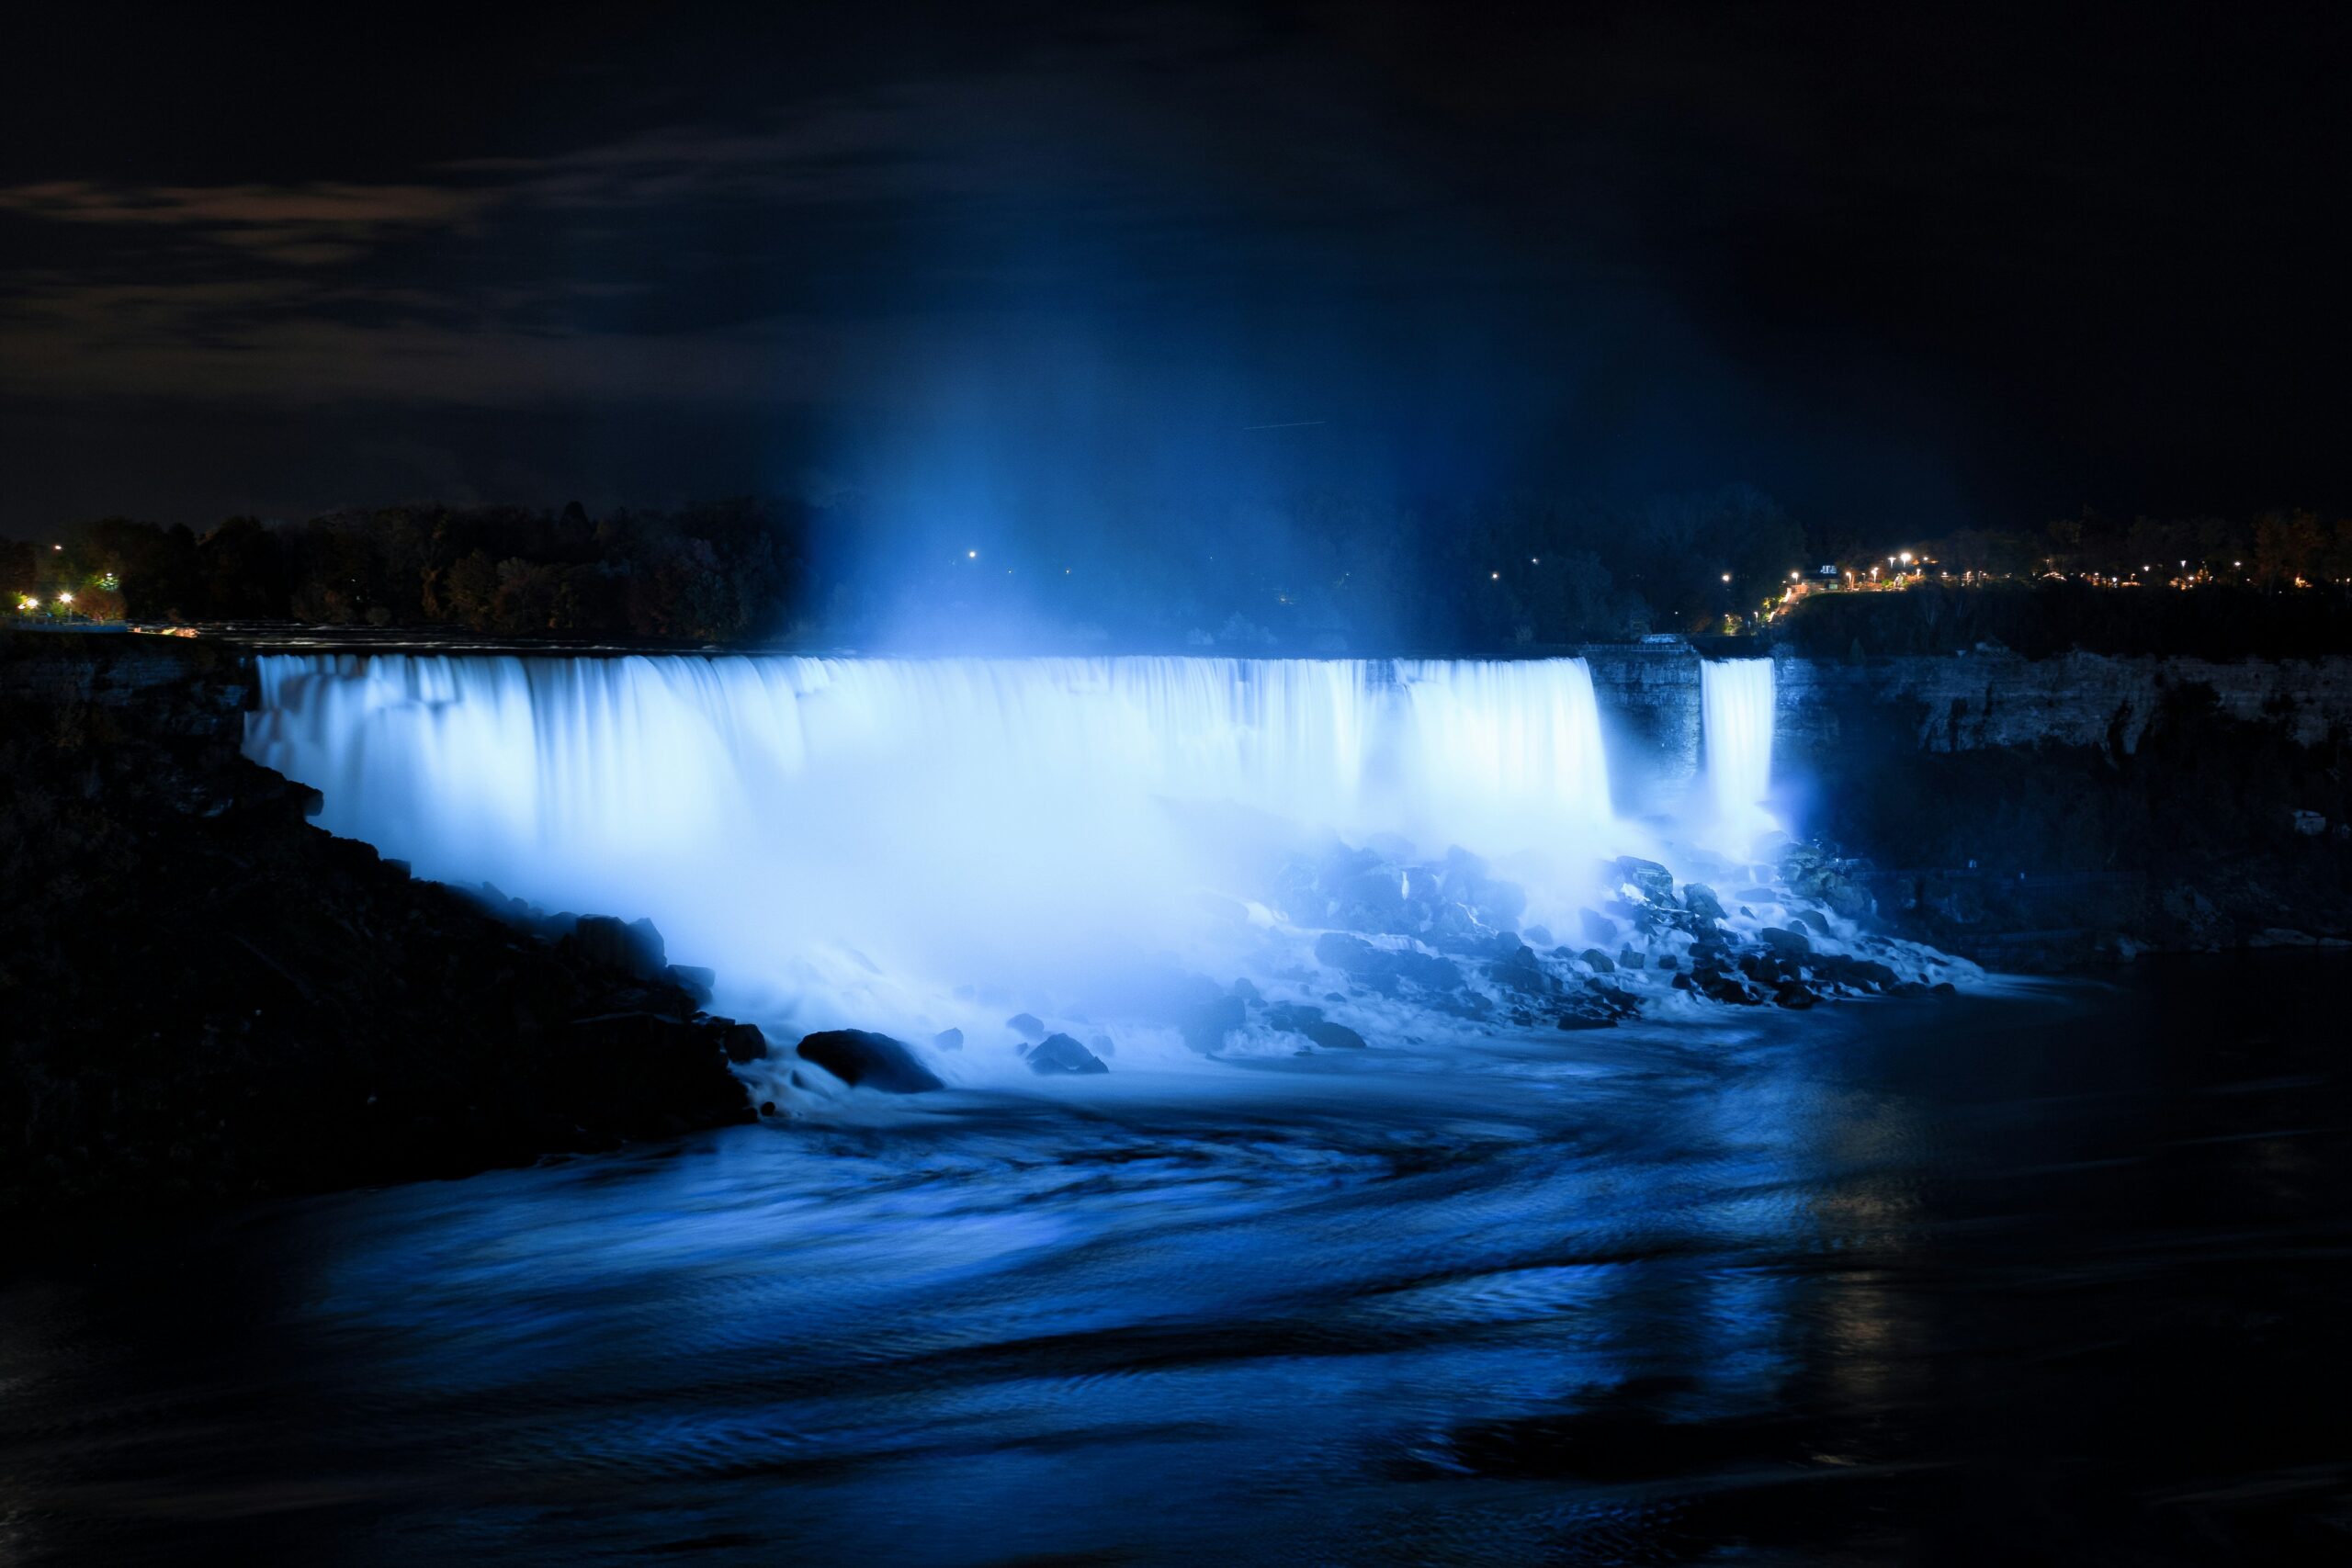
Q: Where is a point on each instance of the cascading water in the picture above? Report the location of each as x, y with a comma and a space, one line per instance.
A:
853, 840
1735, 698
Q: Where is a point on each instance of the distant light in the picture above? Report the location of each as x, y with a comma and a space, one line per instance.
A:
65, 598
1726, 576
1494, 577
1533, 561
971, 554
1792, 577
1907, 557
2235, 564
57, 547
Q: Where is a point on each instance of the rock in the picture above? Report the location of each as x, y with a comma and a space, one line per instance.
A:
1943, 988
1102, 1045
1630, 958
1060, 1053
1668, 962
1651, 880
2311, 824
1795, 994
1206, 1023
947, 1040
1538, 936
1522, 972
1721, 987
1246, 992
1293, 1018
696, 982
1701, 900
864, 1059
1812, 921
1383, 969
767, 1107
1786, 942
1028, 1025
1597, 927
635, 946
1601, 963
1575, 1021
744, 1043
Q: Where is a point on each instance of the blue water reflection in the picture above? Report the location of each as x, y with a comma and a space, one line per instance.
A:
1911, 1279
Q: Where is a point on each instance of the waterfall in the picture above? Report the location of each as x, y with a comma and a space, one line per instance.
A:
852, 827
1736, 696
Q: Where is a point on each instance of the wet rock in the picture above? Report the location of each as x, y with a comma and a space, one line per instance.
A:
1720, 986
1386, 969
1943, 988
1601, 963
1103, 1045
947, 1040
1786, 942
1630, 958
1701, 900
1813, 921
1668, 962
1795, 994
695, 981
744, 1043
1538, 936
635, 946
1648, 878
1291, 1018
1028, 1025
1206, 1023
867, 1060
1060, 1053
1247, 991
1522, 972
1575, 1019
1597, 927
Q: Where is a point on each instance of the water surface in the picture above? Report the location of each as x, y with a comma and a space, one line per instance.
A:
2053, 1275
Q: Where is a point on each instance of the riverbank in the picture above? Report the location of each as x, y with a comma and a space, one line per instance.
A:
208, 998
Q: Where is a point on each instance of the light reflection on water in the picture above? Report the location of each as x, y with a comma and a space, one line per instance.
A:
1980, 1280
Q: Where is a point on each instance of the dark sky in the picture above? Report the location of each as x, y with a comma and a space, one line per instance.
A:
1993, 264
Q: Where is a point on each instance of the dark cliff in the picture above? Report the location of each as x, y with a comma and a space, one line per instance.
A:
204, 996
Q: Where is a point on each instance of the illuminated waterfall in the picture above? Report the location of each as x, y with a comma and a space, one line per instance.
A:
851, 825
1737, 706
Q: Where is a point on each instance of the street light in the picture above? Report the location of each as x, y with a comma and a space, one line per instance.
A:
1726, 576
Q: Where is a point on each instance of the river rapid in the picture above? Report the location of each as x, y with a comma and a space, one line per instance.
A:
2047, 1273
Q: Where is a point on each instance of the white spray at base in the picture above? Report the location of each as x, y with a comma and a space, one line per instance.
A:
914, 844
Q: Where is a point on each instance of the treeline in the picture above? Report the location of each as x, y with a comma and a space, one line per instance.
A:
721, 573
2272, 550
2040, 618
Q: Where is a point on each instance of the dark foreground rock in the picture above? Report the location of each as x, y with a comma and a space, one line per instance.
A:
1060, 1053
862, 1058
207, 999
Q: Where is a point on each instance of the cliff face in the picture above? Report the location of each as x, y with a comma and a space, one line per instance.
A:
2038, 813
203, 997
1972, 701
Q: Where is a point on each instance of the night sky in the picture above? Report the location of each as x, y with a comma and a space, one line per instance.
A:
1992, 266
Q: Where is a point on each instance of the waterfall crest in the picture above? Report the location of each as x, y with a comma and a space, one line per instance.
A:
853, 825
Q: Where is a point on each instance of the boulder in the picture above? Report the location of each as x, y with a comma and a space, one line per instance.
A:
947, 1040
1813, 921
1796, 995
1060, 1053
1630, 958
744, 1043
635, 946
1646, 877
1028, 1025
1386, 969
864, 1059
1597, 927
1103, 1045
1291, 1018
1522, 972
1538, 936
1600, 962
1701, 900
695, 981
1786, 942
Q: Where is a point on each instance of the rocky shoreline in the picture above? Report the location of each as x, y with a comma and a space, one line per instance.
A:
208, 999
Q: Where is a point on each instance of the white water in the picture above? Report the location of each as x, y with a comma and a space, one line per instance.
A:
852, 840
1735, 695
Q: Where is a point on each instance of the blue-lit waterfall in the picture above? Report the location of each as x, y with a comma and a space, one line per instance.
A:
913, 843
1737, 696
